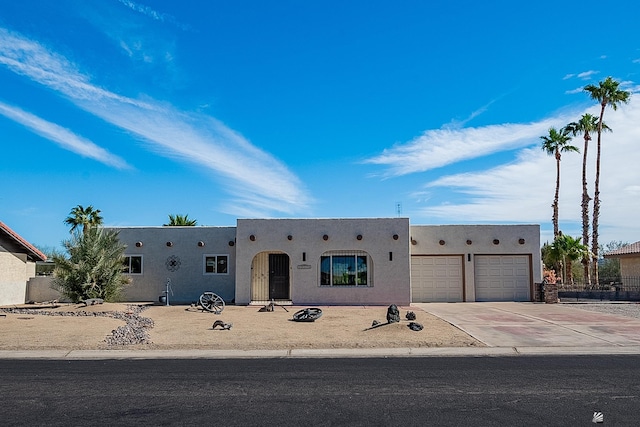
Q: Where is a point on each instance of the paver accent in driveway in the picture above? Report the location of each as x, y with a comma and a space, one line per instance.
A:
513, 324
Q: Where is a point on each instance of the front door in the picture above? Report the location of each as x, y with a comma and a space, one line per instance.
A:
279, 276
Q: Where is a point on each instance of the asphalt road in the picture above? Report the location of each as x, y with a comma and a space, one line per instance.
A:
460, 391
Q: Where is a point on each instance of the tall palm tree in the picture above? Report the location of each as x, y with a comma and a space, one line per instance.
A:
177, 220
566, 249
606, 93
83, 217
587, 125
554, 144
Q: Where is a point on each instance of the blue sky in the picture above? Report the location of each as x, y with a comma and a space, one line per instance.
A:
252, 109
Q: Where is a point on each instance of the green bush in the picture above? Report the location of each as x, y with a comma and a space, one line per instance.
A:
93, 267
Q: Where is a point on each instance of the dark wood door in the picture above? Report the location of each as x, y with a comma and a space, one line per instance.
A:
279, 276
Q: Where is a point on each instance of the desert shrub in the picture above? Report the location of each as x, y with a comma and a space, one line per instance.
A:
92, 267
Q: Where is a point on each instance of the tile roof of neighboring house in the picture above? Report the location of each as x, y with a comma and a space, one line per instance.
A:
632, 249
19, 244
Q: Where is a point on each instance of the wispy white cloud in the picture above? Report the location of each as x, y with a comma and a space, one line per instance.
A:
574, 91
442, 147
585, 75
30, 59
457, 124
153, 14
62, 136
253, 176
522, 191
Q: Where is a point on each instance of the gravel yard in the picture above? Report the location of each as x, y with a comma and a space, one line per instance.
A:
617, 308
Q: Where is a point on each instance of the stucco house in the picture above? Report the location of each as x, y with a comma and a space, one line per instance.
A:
629, 257
17, 265
374, 261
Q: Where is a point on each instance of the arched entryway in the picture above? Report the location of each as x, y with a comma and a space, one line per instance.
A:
271, 277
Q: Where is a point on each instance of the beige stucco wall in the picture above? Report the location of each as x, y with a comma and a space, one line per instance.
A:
15, 271
630, 266
426, 241
391, 274
391, 281
39, 290
188, 282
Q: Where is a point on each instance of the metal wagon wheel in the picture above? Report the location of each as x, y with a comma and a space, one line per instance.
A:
212, 302
307, 315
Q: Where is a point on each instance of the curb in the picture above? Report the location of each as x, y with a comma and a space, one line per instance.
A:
315, 353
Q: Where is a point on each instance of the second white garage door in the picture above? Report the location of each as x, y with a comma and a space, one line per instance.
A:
436, 279
502, 277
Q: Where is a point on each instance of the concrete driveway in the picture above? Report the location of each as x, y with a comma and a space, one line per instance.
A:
519, 325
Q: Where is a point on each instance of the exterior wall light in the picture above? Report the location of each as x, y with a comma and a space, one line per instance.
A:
413, 242
289, 237
441, 242
201, 243
469, 242
231, 243
169, 244
496, 241
521, 241
252, 238
359, 237
395, 237
325, 237
138, 244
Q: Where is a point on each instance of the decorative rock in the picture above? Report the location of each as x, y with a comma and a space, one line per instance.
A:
415, 326
223, 326
375, 323
411, 315
133, 332
393, 314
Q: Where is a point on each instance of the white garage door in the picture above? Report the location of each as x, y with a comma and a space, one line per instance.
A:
436, 279
502, 277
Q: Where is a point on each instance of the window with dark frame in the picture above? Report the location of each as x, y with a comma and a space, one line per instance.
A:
345, 269
216, 264
132, 264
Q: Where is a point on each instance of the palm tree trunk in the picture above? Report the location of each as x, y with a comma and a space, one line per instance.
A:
556, 229
569, 271
596, 201
585, 212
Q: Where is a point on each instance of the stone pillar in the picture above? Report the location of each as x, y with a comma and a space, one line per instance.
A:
550, 293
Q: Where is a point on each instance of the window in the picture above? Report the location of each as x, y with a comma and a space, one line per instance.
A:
133, 264
216, 264
345, 269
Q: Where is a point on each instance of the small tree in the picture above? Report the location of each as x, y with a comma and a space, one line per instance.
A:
609, 268
180, 220
564, 251
93, 267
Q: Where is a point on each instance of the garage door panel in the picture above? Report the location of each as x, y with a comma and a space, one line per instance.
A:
502, 277
436, 278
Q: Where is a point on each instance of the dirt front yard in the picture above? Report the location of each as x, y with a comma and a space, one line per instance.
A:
117, 326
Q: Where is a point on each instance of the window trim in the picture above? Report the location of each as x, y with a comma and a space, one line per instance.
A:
346, 253
204, 264
128, 267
